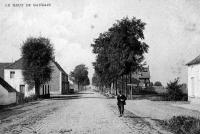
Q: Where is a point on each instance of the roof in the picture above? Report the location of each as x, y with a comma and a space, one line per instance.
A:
8, 87
19, 65
2, 66
59, 67
16, 65
194, 61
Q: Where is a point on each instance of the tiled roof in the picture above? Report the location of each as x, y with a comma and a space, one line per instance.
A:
194, 61
8, 87
2, 66
16, 65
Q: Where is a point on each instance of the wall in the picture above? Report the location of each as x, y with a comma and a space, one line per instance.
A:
194, 72
6, 97
17, 81
55, 83
65, 84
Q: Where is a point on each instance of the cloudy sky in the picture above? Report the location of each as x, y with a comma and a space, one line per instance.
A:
172, 30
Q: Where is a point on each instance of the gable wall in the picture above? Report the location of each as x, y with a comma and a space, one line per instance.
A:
194, 85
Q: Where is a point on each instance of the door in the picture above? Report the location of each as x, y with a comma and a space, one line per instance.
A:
22, 89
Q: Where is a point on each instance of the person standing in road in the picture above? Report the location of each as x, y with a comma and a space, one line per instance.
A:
121, 101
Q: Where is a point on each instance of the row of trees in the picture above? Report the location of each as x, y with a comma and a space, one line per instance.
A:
119, 52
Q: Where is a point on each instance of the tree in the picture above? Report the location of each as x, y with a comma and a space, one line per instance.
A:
120, 50
95, 80
80, 75
174, 90
157, 83
37, 54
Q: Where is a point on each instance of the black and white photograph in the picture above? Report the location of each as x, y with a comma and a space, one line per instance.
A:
99, 67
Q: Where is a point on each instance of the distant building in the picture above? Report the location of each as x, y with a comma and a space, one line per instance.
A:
57, 85
134, 81
8, 95
194, 80
143, 76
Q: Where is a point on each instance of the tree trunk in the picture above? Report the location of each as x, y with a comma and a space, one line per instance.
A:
37, 89
78, 86
130, 85
116, 86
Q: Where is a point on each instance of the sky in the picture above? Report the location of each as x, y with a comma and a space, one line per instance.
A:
172, 30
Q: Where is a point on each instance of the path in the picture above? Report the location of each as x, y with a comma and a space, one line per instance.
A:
83, 113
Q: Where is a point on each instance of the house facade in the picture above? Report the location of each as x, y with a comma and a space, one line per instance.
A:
8, 95
194, 80
57, 85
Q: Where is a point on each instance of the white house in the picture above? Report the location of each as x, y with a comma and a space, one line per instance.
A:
194, 80
13, 75
8, 95
57, 85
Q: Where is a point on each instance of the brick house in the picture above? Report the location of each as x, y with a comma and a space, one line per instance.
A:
57, 85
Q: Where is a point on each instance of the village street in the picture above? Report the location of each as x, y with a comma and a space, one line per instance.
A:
82, 113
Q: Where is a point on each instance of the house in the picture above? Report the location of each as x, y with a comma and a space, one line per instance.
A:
194, 80
57, 85
8, 95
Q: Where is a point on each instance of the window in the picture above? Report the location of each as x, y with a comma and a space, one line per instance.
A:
12, 74
22, 89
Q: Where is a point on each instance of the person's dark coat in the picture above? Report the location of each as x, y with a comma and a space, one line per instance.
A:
121, 100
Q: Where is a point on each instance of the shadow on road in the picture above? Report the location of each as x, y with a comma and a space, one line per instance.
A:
84, 93
75, 97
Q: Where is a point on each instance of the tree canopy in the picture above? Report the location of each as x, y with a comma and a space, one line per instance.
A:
120, 50
80, 75
157, 83
37, 54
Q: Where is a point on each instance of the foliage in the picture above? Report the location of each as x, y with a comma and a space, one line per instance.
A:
183, 125
80, 75
174, 91
151, 84
119, 50
95, 80
37, 54
157, 83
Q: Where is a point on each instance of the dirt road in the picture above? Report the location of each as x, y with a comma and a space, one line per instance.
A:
82, 113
